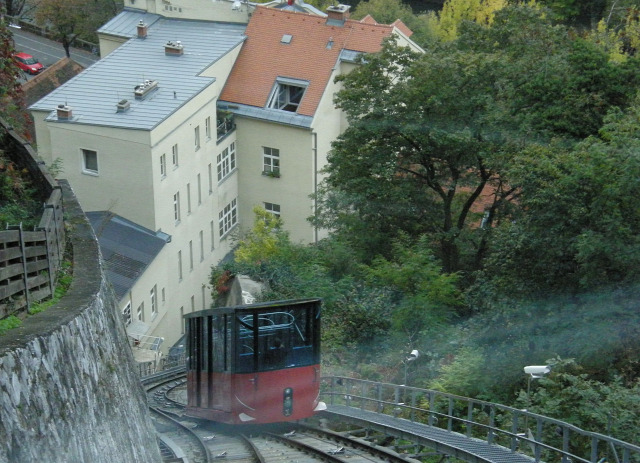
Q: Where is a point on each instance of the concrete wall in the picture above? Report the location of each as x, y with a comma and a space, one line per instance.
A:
68, 388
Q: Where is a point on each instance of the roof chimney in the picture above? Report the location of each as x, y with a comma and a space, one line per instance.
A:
142, 30
122, 106
338, 13
142, 90
173, 48
64, 112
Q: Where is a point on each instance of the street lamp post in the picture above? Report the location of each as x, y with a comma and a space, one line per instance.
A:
412, 356
533, 372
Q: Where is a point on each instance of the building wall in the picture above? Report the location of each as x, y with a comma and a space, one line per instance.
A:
69, 391
292, 189
207, 10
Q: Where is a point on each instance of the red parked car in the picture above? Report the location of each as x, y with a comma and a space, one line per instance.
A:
28, 63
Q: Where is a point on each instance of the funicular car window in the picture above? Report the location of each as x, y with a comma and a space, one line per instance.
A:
269, 340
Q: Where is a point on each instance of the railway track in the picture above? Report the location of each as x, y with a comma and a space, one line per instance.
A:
182, 438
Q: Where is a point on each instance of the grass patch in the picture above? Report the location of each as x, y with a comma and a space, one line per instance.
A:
9, 323
65, 277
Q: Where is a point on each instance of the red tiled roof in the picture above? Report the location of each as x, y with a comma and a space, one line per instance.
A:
263, 56
368, 19
402, 27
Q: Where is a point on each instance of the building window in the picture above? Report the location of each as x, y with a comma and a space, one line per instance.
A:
90, 162
163, 166
163, 297
193, 303
182, 319
207, 127
227, 218
212, 236
271, 161
154, 302
179, 265
126, 314
210, 180
273, 209
174, 155
201, 245
190, 255
286, 95
199, 190
196, 135
141, 312
226, 161
176, 207
188, 198
204, 295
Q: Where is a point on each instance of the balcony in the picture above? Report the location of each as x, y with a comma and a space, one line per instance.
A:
225, 124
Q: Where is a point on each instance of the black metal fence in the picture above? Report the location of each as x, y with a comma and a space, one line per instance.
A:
540, 437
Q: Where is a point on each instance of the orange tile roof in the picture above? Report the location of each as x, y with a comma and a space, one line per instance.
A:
402, 27
263, 56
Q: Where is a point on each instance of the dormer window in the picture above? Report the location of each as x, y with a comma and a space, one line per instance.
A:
287, 94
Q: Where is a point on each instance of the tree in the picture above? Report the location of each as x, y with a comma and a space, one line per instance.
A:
11, 97
454, 12
73, 19
426, 298
578, 223
419, 150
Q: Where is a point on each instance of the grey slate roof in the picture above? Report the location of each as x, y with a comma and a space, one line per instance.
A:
127, 248
273, 115
94, 94
126, 23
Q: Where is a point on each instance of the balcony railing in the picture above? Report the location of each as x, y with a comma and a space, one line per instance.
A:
225, 124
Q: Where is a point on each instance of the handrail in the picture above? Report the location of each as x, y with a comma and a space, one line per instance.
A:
550, 440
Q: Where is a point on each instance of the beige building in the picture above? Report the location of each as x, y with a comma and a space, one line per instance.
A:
185, 125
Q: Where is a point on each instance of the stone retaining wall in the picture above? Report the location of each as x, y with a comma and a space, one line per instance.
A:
69, 391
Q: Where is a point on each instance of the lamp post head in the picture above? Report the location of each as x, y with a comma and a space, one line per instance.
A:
537, 371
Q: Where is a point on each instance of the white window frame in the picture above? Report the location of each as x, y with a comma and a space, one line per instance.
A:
207, 128
140, 312
126, 314
201, 245
188, 198
163, 166
88, 166
190, 255
174, 156
287, 94
196, 136
272, 208
176, 207
213, 236
199, 182
270, 160
228, 218
226, 161
210, 180
179, 265
154, 301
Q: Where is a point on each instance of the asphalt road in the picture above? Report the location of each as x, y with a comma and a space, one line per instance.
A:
47, 51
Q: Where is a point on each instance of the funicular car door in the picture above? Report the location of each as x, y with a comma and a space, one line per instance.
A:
245, 368
219, 384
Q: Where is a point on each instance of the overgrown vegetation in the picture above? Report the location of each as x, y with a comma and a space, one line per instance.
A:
482, 208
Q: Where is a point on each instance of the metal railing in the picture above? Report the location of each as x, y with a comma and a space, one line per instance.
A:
540, 437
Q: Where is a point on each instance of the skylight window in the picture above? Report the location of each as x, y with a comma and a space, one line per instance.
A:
287, 94
286, 38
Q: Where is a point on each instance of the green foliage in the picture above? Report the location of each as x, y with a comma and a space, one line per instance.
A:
427, 297
569, 395
64, 278
9, 323
264, 239
464, 374
455, 12
18, 199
